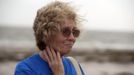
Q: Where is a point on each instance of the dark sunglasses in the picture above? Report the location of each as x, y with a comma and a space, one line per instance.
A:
67, 32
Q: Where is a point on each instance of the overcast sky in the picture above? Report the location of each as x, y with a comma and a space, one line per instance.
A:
115, 15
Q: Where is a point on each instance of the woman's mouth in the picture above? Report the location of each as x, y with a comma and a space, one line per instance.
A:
69, 45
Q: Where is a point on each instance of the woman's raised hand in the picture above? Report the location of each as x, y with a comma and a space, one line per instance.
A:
54, 60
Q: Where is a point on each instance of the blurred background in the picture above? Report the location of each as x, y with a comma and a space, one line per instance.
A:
106, 44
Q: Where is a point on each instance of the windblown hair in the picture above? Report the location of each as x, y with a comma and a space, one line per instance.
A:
49, 20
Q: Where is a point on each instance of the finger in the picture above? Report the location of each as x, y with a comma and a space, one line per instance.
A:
45, 56
49, 53
58, 56
53, 53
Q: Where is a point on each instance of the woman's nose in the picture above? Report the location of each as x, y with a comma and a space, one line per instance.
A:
71, 37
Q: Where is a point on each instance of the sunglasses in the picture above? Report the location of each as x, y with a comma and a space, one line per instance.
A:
67, 32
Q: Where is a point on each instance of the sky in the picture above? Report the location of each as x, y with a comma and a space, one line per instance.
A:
111, 15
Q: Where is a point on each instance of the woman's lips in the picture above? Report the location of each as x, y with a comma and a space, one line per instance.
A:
69, 45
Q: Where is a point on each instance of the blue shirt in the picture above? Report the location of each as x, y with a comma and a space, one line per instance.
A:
35, 65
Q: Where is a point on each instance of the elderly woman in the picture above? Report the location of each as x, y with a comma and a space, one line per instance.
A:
55, 30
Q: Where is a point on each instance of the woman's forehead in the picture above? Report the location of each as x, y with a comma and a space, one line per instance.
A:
69, 24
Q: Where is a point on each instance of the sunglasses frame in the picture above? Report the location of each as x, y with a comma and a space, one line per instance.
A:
67, 32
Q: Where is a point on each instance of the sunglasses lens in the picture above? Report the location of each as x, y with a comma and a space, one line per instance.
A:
66, 32
76, 33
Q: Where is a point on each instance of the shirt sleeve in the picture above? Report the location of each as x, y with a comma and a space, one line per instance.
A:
22, 69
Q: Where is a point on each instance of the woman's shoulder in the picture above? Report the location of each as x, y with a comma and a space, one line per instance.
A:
26, 65
27, 62
73, 64
66, 60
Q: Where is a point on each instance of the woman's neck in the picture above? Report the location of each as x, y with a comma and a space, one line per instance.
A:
42, 56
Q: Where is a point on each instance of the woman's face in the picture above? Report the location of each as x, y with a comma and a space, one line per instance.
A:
64, 40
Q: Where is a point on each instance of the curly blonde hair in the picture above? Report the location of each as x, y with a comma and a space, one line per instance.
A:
49, 19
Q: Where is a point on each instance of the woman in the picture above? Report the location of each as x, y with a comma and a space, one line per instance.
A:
55, 29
